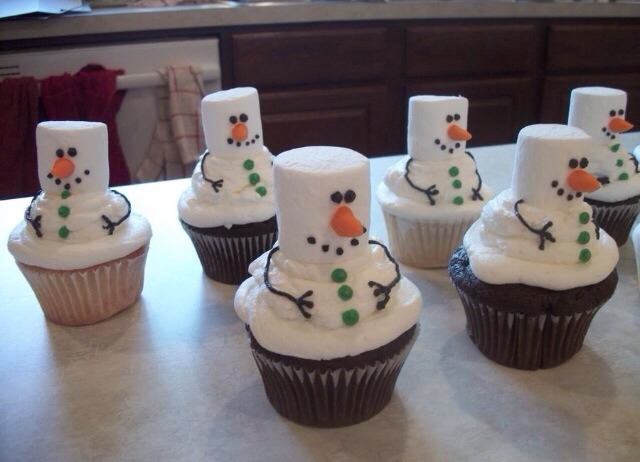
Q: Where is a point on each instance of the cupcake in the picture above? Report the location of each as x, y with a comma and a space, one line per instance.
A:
433, 194
80, 247
534, 270
600, 112
228, 210
329, 316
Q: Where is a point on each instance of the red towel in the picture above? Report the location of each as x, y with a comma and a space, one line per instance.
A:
91, 95
18, 120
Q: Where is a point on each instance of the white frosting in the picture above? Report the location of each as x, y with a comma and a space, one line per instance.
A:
323, 202
76, 224
306, 179
600, 112
235, 185
502, 249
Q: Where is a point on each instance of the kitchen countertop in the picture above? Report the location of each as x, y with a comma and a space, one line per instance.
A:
230, 13
173, 378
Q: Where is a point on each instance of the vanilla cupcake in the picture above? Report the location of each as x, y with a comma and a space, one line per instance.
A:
228, 210
330, 318
535, 269
432, 195
80, 247
600, 112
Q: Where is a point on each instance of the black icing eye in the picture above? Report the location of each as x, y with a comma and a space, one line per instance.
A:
584, 162
349, 196
449, 119
59, 153
456, 117
337, 197
620, 112
244, 117
72, 152
233, 120
573, 163
612, 113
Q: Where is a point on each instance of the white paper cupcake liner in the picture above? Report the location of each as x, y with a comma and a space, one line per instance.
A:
88, 295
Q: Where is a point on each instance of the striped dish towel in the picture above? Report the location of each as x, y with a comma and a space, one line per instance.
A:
178, 139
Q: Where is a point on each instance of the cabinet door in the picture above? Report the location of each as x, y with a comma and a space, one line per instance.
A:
498, 108
557, 91
350, 117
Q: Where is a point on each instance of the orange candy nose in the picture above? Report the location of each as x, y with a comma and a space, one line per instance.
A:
239, 132
583, 181
619, 125
63, 168
456, 132
345, 224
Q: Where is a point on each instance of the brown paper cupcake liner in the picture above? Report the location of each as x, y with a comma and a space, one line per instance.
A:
332, 396
525, 341
616, 218
226, 259
425, 244
88, 295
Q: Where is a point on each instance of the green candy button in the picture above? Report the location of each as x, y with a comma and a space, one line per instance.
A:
345, 292
585, 255
623, 176
338, 275
254, 178
261, 190
584, 237
454, 171
458, 200
350, 317
619, 163
63, 232
584, 218
64, 211
248, 164
65, 194
457, 184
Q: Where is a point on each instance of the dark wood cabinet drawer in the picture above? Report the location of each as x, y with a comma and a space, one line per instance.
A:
465, 50
352, 117
603, 47
311, 56
498, 108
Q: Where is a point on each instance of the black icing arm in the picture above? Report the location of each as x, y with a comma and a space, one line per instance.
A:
35, 222
382, 289
476, 191
111, 225
216, 184
542, 232
430, 192
301, 303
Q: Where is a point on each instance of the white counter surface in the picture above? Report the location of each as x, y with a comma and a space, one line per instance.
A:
231, 13
173, 378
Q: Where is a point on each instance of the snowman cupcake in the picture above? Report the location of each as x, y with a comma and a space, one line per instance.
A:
600, 112
228, 210
330, 318
432, 195
534, 269
80, 247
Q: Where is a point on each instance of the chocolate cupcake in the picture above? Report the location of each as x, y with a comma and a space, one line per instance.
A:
330, 318
534, 269
228, 211
600, 112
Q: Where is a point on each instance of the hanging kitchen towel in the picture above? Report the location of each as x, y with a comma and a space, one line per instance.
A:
91, 94
178, 138
18, 120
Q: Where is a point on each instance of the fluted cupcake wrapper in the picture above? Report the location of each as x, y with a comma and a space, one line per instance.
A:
337, 397
227, 259
88, 295
425, 244
616, 220
525, 341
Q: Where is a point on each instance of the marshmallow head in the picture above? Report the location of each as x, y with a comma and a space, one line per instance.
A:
72, 156
323, 200
549, 171
231, 122
600, 112
437, 126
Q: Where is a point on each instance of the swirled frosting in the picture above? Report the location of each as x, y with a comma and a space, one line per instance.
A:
502, 250
442, 188
280, 325
241, 192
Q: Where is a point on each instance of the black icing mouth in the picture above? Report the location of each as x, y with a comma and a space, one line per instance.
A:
444, 147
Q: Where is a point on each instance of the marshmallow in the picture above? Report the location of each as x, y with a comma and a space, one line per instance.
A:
546, 155
72, 156
437, 126
323, 200
593, 108
231, 121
